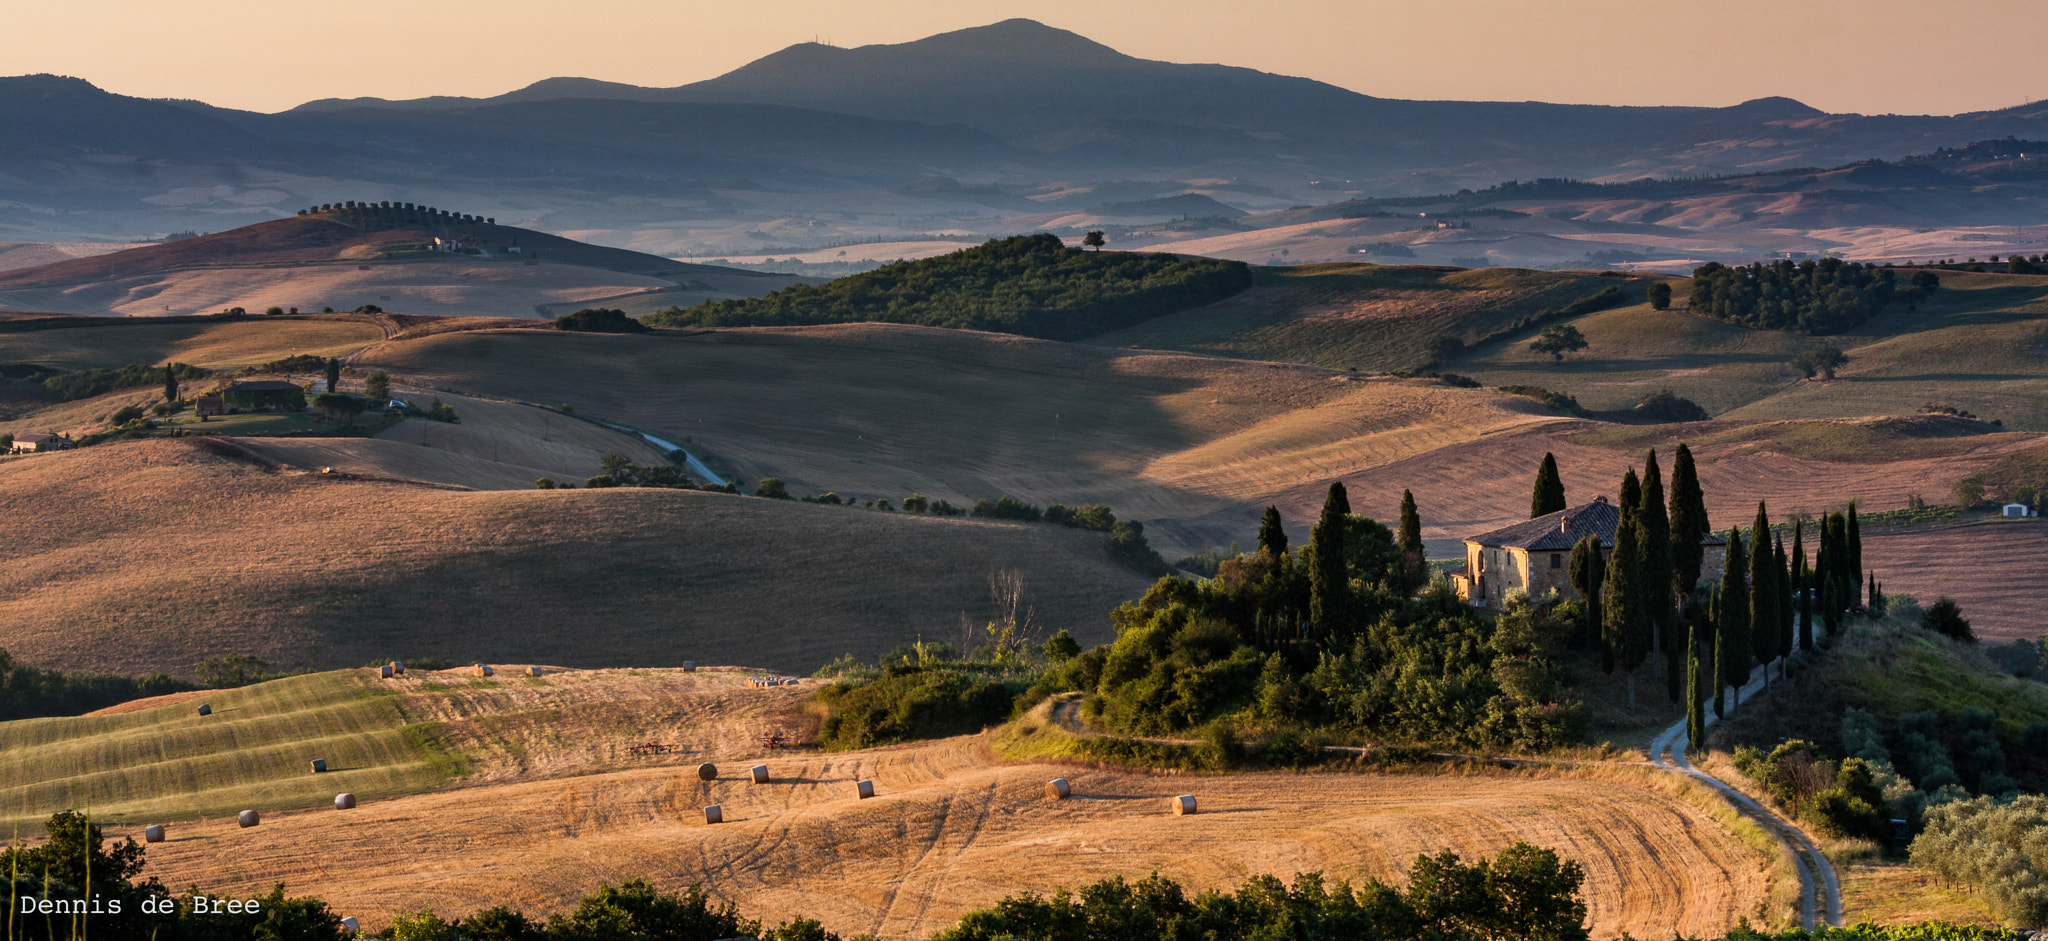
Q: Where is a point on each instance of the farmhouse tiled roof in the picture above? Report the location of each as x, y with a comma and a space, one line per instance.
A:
1559, 531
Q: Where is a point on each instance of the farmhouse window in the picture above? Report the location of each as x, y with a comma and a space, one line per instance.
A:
1557, 560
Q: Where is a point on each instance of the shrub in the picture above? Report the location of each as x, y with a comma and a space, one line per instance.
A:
1556, 400
1006, 508
1945, 617
1668, 406
1921, 750
126, 414
232, 671
772, 488
600, 320
907, 703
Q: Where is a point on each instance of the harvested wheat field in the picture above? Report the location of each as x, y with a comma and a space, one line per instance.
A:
1992, 570
316, 570
223, 344
950, 830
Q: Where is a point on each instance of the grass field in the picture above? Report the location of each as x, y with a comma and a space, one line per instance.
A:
1366, 317
148, 555
255, 750
1974, 346
224, 345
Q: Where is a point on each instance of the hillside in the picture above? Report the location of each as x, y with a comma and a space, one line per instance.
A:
347, 259
526, 792
122, 540
1029, 285
1361, 316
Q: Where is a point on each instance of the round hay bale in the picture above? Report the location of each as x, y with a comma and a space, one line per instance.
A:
533, 671
714, 814
351, 925
344, 802
1184, 805
153, 833
866, 789
707, 772
319, 765
384, 672
205, 709
398, 668
689, 666
760, 773
248, 818
1058, 789
484, 669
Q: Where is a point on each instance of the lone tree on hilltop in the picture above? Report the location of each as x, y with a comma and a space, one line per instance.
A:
1094, 239
1548, 496
1821, 361
1559, 340
1660, 296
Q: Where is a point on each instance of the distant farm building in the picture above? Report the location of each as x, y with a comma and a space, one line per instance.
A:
264, 394
2018, 511
210, 405
1535, 556
36, 443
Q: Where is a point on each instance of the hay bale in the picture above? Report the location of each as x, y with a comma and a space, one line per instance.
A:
689, 666
319, 765
384, 672
484, 669
1058, 789
866, 789
351, 925
397, 668
760, 773
205, 709
1184, 805
153, 833
248, 818
707, 772
533, 671
714, 814
344, 802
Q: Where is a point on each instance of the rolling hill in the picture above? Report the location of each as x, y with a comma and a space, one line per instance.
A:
346, 259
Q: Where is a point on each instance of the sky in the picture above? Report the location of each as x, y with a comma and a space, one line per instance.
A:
1865, 56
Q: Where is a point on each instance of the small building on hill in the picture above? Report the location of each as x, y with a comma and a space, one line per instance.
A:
266, 394
2018, 511
210, 405
37, 443
1536, 556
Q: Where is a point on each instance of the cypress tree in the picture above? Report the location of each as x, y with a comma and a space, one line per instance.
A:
1631, 495
170, 382
1327, 584
333, 373
1549, 495
1852, 545
1695, 701
1836, 577
1272, 536
1589, 574
1688, 523
1720, 657
1657, 581
1624, 609
1781, 579
1414, 561
1802, 584
1763, 594
1732, 614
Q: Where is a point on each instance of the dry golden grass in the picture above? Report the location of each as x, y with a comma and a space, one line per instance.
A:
951, 830
1897, 893
227, 344
148, 555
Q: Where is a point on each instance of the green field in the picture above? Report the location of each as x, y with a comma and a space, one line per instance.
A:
1368, 317
254, 751
1974, 346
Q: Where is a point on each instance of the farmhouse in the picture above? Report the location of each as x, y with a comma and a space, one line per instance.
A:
210, 405
33, 443
1536, 556
264, 394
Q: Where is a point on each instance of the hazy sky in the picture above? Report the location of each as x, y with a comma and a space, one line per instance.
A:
1870, 56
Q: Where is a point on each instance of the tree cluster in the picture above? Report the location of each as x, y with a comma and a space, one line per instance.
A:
1816, 297
28, 692
1028, 284
86, 383
600, 320
1995, 847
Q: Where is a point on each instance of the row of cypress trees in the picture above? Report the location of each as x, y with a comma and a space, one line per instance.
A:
1646, 596
1329, 577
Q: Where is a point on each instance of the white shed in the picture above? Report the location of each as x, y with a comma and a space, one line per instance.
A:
2018, 511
